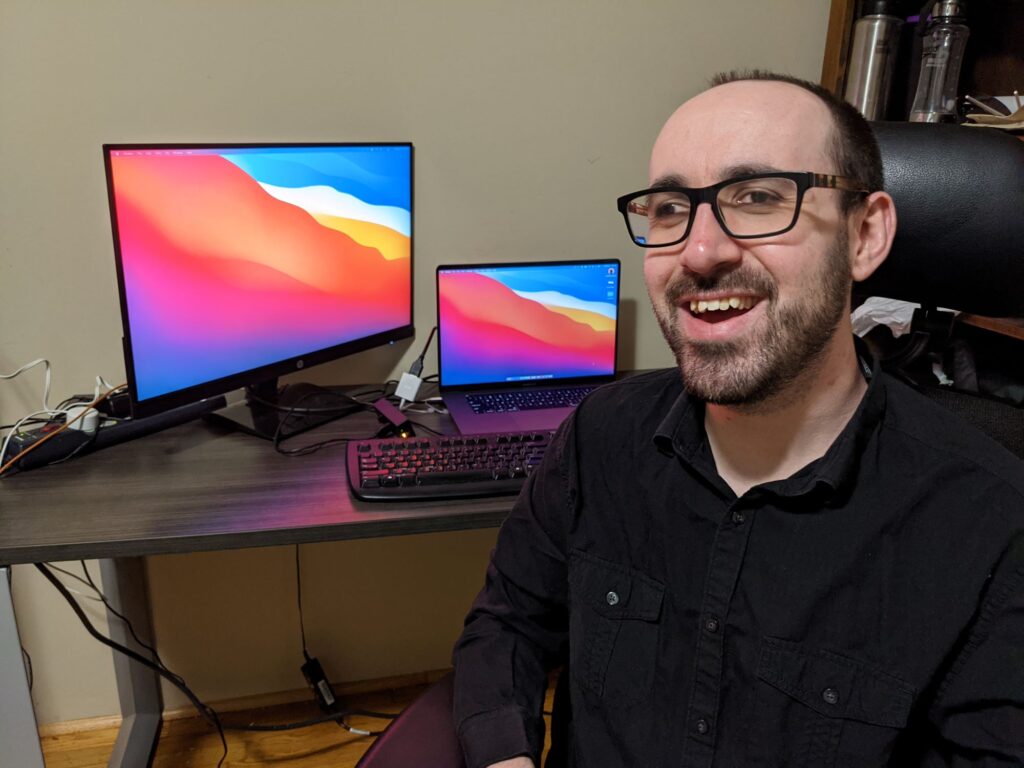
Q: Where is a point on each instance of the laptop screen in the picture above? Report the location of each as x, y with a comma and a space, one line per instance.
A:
526, 322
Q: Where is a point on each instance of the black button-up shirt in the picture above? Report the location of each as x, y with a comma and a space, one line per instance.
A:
866, 611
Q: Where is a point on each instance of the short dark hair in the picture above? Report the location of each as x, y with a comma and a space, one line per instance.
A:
853, 146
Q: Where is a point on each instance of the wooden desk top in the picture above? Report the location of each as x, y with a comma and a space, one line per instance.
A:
195, 487
1007, 326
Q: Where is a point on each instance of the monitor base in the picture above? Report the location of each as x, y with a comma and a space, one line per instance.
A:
274, 413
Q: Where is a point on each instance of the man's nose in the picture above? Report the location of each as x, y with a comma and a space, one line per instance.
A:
708, 249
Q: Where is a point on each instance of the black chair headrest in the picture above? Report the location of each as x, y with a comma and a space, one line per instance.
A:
959, 196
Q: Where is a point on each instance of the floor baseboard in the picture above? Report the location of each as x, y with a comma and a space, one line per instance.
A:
257, 701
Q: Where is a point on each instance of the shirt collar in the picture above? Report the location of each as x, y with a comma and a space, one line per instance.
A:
682, 433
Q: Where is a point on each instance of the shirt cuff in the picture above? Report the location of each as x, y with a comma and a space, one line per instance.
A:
491, 737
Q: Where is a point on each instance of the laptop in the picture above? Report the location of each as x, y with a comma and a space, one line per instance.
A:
520, 344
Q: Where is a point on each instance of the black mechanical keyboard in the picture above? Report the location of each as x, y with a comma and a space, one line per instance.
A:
527, 399
444, 467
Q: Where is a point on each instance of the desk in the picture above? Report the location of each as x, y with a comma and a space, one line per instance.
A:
188, 489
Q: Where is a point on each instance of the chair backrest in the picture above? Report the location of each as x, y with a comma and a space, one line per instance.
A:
959, 196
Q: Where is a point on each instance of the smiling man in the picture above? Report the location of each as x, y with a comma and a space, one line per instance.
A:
775, 554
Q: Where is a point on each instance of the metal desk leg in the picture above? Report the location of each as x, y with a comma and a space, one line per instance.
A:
138, 687
18, 733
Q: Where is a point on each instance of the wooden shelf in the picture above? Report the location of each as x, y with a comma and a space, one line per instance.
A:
992, 64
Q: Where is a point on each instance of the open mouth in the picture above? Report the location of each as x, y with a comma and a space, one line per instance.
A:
721, 309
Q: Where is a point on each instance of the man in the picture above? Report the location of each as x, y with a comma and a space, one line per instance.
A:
782, 557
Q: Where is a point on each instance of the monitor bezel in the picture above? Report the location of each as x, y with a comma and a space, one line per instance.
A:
562, 381
260, 374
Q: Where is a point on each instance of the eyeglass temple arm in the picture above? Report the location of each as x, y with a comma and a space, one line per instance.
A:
830, 181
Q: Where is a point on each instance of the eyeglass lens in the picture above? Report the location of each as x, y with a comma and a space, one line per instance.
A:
751, 208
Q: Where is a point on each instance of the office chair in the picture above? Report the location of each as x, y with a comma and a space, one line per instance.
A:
959, 243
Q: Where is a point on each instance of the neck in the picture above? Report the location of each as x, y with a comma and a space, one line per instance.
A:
775, 438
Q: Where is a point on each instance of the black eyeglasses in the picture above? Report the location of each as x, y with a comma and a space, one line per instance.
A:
754, 205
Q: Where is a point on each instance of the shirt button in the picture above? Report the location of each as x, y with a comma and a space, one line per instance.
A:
702, 726
830, 695
711, 625
738, 517
612, 598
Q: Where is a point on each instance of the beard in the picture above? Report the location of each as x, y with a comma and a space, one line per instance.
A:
790, 340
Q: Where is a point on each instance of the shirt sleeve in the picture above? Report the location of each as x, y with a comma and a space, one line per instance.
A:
979, 711
516, 630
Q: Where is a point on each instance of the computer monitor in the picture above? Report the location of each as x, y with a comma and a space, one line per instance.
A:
239, 263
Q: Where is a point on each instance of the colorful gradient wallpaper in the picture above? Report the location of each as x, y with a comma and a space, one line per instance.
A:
527, 322
235, 258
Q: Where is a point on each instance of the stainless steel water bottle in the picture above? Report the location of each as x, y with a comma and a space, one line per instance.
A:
876, 38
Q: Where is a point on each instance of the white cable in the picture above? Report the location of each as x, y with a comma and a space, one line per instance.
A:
76, 411
14, 430
46, 386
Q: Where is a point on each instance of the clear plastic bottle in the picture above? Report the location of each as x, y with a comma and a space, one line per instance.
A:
942, 52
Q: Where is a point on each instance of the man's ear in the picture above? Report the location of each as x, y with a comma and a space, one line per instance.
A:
872, 228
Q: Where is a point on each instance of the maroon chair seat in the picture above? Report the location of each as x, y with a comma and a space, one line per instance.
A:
423, 736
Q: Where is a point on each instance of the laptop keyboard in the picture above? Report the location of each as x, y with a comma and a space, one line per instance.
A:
444, 467
527, 399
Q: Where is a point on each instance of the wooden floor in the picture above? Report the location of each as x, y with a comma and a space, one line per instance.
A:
192, 743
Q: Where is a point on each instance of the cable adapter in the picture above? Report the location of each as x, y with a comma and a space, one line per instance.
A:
317, 680
408, 387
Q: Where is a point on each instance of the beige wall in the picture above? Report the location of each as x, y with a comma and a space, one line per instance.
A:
529, 118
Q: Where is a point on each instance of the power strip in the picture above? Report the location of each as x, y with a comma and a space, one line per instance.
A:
67, 442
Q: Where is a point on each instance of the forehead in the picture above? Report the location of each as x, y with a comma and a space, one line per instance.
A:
744, 124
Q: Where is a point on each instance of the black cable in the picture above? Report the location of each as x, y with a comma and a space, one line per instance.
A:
208, 712
88, 581
417, 367
354, 407
375, 392
306, 450
421, 425
298, 597
35, 420
204, 709
122, 617
78, 448
69, 573
28, 668
294, 410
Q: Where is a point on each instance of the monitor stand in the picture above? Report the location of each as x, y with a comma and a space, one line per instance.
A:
275, 413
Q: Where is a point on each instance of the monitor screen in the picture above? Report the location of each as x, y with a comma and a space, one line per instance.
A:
239, 263
526, 322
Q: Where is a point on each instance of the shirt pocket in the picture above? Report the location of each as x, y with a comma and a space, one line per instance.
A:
822, 709
614, 619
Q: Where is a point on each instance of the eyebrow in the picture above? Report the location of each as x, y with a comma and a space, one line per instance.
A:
742, 169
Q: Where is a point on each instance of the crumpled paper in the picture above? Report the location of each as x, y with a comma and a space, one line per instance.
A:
896, 315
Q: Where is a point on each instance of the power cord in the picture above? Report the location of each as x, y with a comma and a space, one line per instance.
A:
82, 411
28, 668
409, 385
208, 712
26, 659
298, 599
205, 710
311, 669
354, 406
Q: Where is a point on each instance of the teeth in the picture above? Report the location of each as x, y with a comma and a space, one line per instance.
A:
714, 305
